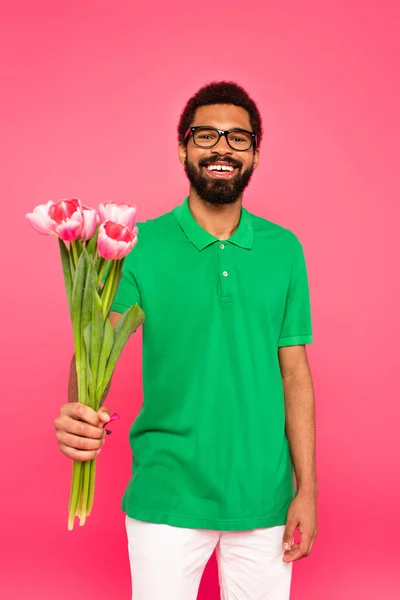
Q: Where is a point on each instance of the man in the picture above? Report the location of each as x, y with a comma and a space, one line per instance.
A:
228, 405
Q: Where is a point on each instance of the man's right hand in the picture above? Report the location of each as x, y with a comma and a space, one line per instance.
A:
79, 430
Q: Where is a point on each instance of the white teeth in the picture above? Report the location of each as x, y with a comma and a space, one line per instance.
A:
219, 168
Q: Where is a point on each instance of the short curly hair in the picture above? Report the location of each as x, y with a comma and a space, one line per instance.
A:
220, 92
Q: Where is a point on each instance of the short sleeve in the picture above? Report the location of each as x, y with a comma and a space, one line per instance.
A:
297, 325
127, 293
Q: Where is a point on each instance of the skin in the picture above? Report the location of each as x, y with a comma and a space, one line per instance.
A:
300, 431
79, 429
220, 221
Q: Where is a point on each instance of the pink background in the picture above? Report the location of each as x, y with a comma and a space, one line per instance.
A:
92, 94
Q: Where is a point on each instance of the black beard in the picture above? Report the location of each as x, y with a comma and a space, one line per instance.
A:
214, 191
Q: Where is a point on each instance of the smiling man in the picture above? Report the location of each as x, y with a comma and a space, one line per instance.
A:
228, 411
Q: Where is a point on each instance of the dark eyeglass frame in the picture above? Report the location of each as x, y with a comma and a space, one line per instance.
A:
221, 132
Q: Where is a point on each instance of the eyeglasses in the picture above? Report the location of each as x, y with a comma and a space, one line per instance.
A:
207, 137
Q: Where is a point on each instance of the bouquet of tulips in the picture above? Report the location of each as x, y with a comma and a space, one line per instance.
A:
93, 245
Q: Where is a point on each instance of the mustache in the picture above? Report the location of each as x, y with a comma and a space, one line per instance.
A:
203, 162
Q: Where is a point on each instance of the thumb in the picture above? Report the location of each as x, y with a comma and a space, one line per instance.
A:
288, 536
104, 414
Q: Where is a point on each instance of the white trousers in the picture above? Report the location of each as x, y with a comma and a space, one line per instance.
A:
167, 562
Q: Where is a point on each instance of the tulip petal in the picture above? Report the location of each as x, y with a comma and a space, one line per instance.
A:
112, 418
109, 243
123, 214
90, 220
39, 219
70, 230
63, 210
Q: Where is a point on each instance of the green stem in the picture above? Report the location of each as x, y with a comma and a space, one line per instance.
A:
75, 492
106, 296
80, 363
85, 492
74, 253
91, 486
115, 282
103, 267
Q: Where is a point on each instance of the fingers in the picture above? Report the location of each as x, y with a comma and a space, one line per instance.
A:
69, 425
78, 442
289, 555
80, 447
314, 537
104, 414
311, 545
288, 536
80, 455
298, 551
79, 411
79, 431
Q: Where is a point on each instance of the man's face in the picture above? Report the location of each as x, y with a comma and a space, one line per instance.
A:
213, 186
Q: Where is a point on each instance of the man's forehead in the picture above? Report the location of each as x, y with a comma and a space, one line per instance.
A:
223, 116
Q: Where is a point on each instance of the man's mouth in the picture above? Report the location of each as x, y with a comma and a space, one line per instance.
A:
220, 170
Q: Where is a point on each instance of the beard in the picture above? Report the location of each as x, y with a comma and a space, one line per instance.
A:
218, 191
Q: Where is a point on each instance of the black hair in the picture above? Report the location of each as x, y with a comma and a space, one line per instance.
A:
220, 92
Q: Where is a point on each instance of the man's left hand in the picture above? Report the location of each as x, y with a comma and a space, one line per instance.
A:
302, 515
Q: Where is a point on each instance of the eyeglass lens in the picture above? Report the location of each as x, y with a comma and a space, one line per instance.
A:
238, 140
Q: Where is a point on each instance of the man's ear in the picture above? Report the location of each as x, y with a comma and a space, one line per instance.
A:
256, 159
182, 153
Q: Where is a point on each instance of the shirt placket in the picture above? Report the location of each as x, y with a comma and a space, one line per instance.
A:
225, 272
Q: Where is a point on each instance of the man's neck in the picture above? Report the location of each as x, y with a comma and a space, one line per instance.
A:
219, 220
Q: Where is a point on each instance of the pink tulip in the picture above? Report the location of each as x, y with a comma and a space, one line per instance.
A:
90, 220
67, 219
39, 219
63, 219
115, 241
122, 214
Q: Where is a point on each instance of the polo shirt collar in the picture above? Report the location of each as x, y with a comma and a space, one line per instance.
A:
200, 238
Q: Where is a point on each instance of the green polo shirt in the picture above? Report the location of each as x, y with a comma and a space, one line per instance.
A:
209, 444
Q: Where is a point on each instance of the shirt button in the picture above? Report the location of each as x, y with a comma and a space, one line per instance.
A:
222, 246
225, 273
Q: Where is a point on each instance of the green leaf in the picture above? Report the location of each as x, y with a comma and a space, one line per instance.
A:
66, 267
81, 314
106, 348
128, 324
94, 315
87, 291
91, 399
76, 301
97, 333
87, 334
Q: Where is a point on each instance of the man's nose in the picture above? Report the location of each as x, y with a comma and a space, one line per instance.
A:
222, 147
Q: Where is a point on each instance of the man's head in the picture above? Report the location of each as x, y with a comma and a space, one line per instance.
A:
218, 166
